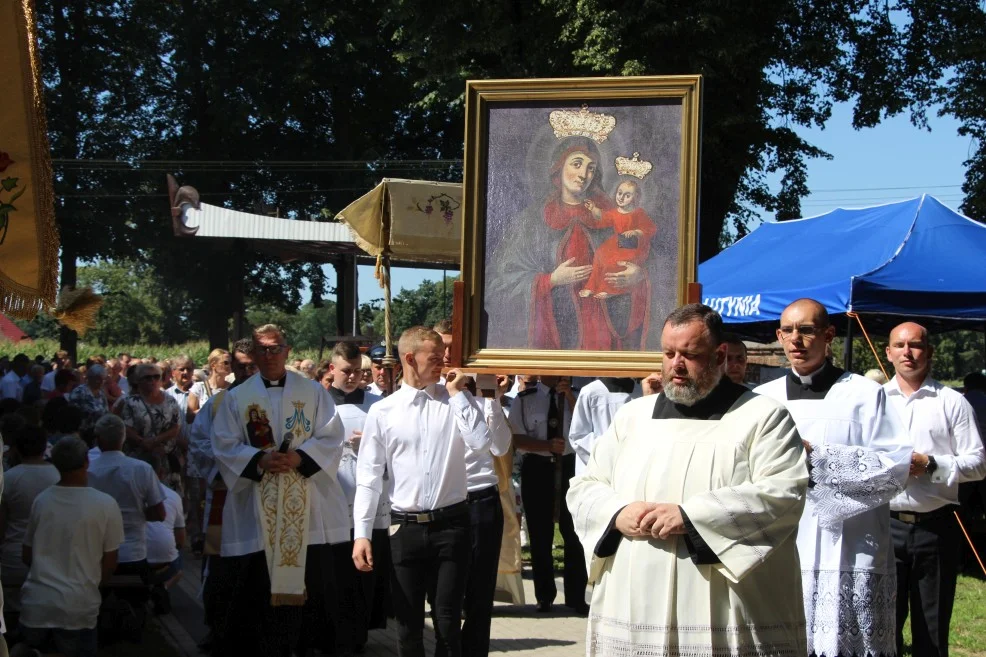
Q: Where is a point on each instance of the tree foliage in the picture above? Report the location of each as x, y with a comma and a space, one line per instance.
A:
298, 105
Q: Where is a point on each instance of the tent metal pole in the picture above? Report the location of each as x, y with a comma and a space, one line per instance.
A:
847, 350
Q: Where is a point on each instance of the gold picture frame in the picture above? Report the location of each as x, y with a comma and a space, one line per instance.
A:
580, 221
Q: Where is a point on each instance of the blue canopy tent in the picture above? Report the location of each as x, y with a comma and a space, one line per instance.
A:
914, 258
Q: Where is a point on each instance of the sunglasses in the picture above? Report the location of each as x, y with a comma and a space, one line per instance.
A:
271, 350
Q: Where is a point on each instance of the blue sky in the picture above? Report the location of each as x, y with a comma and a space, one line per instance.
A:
890, 162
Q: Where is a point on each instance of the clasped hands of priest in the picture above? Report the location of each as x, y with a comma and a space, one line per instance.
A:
280, 462
650, 520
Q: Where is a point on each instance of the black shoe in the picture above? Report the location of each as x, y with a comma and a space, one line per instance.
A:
544, 607
205, 645
580, 609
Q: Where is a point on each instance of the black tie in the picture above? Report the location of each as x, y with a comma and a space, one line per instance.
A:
554, 417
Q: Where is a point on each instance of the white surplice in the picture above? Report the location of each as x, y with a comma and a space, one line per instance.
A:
353, 418
741, 480
595, 408
860, 459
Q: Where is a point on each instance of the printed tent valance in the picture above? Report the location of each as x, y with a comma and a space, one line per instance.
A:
408, 220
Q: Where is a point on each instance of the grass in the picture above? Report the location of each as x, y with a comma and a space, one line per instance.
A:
198, 351
966, 635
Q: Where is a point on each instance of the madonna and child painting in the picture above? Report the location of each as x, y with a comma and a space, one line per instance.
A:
582, 221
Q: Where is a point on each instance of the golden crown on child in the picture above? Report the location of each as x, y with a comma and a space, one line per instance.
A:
635, 167
594, 125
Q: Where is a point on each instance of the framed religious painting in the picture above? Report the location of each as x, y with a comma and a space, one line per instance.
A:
580, 213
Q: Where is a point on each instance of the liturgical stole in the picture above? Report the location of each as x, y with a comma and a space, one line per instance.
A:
283, 500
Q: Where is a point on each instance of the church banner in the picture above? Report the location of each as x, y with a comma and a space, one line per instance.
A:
28, 237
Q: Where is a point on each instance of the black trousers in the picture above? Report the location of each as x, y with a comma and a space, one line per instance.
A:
927, 556
217, 595
254, 627
537, 490
486, 525
429, 559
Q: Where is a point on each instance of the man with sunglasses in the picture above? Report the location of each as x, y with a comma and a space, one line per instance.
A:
278, 440
858, 455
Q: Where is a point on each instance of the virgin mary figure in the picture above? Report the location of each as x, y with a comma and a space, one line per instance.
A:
538, 268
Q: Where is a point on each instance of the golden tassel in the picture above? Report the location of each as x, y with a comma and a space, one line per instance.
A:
77, 308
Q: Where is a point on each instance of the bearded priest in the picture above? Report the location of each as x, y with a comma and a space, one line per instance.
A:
278, 441
689, 509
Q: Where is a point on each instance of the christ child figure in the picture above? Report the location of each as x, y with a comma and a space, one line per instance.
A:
633, 231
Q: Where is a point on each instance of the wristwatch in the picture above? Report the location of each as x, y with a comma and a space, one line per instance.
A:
932, 465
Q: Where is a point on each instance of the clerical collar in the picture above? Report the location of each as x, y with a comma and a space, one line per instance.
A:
279, 383
614, 384
716, 404
815, 385
341, 397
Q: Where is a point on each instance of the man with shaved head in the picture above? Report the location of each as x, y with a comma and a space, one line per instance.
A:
948, 450
859, 457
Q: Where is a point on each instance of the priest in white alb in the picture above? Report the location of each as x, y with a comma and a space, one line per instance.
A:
688, 511
278, 441
859, 455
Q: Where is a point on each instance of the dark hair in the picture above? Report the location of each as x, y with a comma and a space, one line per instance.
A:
30, 441
733, 339
64, 376
345, 350
68, 419
975, 381
69, 454
243, 346
697, 312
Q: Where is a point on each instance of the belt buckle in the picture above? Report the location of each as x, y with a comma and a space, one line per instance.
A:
422, 517
909, 518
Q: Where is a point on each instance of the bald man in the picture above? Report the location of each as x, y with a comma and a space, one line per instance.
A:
859, 459
948, 450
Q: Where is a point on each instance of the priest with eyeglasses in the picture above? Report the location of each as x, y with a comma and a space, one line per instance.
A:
859, 457
278, 440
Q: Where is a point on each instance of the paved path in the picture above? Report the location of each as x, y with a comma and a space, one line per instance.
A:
516, 630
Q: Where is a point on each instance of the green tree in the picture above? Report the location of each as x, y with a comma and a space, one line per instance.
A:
137, 305
425, 305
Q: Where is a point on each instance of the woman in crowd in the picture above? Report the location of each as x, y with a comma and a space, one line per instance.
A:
152, 418
220, 366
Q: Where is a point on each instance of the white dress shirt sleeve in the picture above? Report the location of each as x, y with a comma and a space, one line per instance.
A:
470, 422
968, 463
580, 434
200, 441
499, 427
370, 466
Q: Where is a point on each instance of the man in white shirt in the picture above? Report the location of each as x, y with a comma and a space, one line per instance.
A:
540, 418
22, 484
485, 512
278, 441
595, 409
419, 435
384, 383
71, 547
948, 450
60, 361
164, 542
134, 486
12, 384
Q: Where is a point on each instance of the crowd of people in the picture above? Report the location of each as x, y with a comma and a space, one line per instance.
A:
327, 500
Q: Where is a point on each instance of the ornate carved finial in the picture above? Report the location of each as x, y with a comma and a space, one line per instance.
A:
594, 125
633, 167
